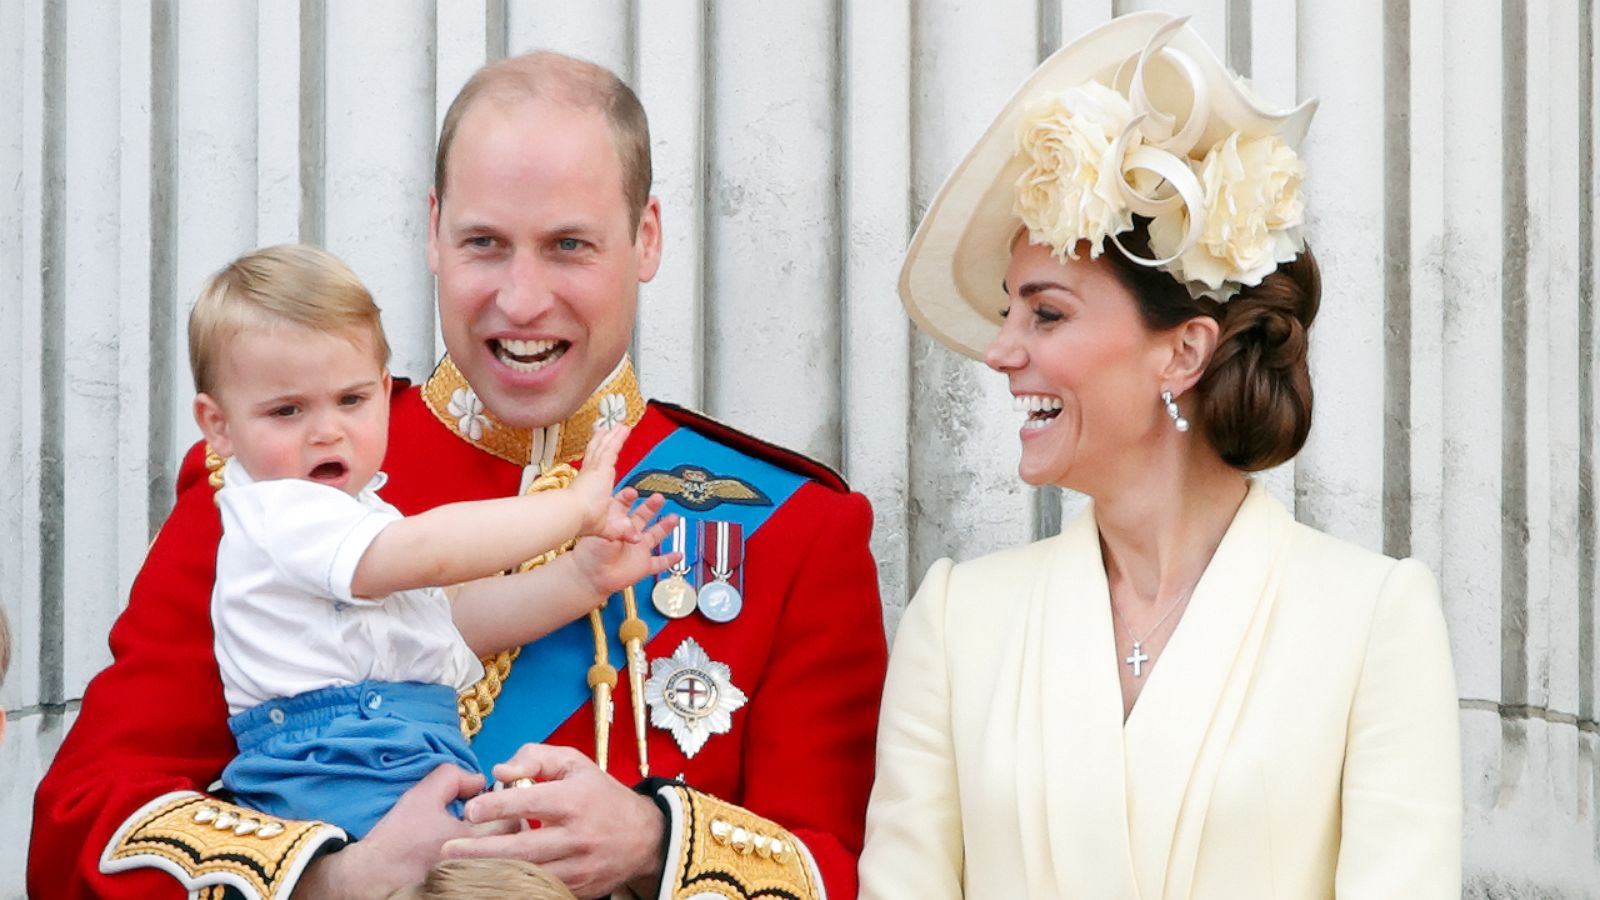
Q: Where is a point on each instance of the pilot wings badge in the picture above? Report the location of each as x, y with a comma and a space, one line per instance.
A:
697, 489
692, 696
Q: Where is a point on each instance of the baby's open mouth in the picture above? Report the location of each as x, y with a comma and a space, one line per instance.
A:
332, 470
528, 356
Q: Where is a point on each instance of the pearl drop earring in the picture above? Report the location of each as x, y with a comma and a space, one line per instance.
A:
1178, 421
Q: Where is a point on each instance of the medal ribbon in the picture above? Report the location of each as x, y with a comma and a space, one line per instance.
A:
722, 557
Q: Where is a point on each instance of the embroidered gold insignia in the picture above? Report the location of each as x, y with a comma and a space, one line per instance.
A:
697, 489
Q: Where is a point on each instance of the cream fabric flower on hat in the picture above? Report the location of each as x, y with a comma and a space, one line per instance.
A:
1069, 191
1253, 212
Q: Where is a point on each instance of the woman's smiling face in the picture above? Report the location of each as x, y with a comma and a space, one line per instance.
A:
1083, 367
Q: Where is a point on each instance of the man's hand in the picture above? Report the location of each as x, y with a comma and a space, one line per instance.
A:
609, 566
595, 833
399, 849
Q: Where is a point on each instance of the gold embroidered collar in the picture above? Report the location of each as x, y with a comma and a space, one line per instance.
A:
456, 404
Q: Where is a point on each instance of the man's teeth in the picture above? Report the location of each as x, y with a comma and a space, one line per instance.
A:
1040, 408
529, 356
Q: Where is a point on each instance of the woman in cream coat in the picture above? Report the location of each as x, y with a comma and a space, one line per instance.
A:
1185, 693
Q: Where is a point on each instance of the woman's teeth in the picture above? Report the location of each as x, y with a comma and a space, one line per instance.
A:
1040, 409
529, 356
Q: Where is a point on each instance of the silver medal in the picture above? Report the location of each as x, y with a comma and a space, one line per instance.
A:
719, 600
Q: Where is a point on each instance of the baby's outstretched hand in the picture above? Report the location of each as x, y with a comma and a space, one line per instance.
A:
610, 565
603, 515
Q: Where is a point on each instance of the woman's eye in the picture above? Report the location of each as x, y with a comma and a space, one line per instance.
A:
1005, 312
1046, 314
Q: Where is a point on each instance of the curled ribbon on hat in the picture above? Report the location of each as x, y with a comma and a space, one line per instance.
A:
1099, 154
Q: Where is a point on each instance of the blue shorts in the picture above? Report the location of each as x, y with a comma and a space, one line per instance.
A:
344, 754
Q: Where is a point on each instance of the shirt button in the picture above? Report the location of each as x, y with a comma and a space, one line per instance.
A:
374, 700
276, 715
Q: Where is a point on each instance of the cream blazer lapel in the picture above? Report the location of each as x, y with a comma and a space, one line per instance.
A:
1079, 757
1180, 727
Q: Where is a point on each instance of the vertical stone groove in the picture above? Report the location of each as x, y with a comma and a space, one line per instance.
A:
841, 281
1048, 29
1514, 353
164, 346
496, 42
1587, 623
52, 325
1397, 279
313, 106
1240, 45
708, 169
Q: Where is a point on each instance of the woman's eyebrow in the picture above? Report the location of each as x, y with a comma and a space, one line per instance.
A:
1033, 287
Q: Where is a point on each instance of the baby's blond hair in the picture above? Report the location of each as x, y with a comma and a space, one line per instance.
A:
284, 284
486, 879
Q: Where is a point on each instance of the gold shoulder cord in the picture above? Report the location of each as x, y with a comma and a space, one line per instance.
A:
478, 701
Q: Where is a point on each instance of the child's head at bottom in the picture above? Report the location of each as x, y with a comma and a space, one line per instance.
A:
486, 879
291, 368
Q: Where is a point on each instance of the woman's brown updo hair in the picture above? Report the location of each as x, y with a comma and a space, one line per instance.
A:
1255, 396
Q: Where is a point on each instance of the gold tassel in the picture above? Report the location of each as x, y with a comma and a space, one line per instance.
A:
633, 633
602, 681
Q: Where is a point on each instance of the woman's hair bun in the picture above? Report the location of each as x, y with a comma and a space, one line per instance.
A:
1255, 396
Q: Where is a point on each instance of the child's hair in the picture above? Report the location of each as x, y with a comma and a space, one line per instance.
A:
486, 879
5, 646
287, 283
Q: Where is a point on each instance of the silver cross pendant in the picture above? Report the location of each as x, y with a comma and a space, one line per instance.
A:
1136, 659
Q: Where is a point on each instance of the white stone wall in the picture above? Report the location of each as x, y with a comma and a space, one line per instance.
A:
1453, 190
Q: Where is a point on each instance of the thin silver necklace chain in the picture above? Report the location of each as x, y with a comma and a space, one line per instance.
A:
1177, 602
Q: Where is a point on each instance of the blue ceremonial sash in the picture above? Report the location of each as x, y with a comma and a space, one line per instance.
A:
548, 681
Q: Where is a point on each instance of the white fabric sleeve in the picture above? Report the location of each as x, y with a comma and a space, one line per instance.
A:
314, 534
914, 838
1400, 833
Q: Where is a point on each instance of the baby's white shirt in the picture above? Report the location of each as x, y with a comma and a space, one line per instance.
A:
284, 617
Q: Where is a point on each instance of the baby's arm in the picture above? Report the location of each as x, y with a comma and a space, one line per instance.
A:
462, 541
494, 614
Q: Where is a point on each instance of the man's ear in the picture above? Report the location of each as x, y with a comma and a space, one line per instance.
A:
647, 240
1192, 344
208, 415
433, 231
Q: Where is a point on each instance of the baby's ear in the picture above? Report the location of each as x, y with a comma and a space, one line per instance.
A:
388, 384
208, 415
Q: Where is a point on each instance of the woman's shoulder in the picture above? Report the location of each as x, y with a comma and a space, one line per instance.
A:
1358, 578
1009, 564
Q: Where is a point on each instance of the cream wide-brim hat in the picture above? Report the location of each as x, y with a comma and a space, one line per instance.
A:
951, 280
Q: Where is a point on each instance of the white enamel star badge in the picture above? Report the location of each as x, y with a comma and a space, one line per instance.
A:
692, 696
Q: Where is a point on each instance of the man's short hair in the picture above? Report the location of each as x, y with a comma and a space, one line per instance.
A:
486, 879
574, 82
284, 284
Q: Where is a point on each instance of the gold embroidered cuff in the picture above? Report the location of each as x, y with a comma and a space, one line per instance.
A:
208, 844
718, 850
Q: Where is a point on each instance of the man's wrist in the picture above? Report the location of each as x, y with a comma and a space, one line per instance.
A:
325, 878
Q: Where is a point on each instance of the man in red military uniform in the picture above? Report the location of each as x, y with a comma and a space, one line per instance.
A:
758, 663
